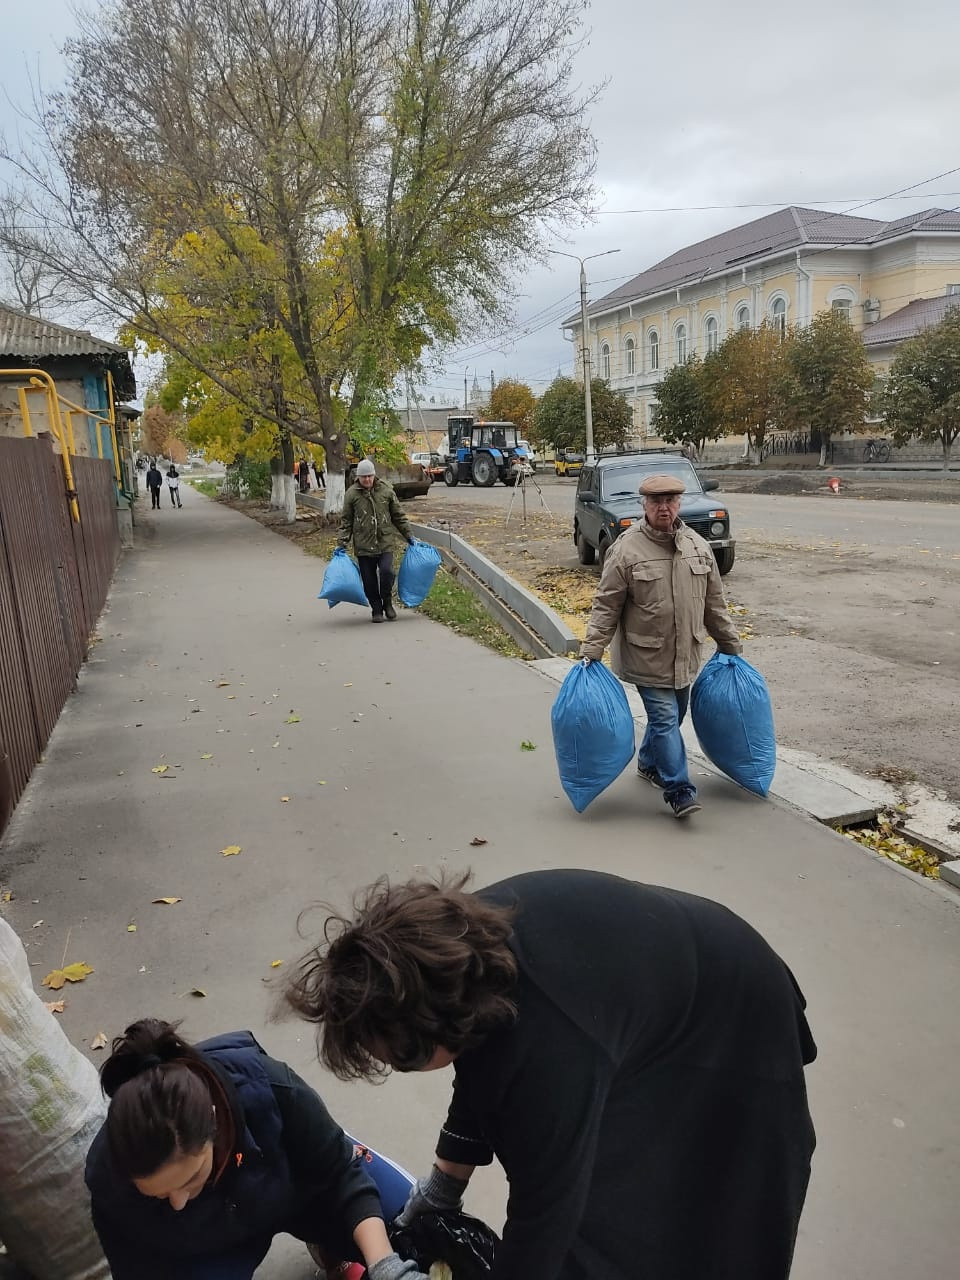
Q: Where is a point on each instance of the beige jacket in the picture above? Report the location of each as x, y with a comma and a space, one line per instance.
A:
660, 597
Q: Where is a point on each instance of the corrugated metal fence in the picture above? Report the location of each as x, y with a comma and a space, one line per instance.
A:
54, 578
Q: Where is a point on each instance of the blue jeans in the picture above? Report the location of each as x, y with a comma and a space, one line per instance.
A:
662, 746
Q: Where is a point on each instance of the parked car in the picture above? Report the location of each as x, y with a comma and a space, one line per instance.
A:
608, 502
568, 463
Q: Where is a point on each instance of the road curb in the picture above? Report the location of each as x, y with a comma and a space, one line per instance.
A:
539, 617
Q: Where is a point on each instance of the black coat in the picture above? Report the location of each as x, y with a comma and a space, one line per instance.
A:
154, 479
648, 1105
293, 1170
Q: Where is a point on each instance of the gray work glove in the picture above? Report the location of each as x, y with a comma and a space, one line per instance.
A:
394, 1268
438, 1192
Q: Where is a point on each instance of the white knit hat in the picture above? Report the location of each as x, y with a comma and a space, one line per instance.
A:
366, 468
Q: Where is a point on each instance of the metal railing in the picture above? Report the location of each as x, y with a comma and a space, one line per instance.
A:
60, 413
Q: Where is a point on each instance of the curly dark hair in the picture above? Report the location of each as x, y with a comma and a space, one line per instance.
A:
421, 965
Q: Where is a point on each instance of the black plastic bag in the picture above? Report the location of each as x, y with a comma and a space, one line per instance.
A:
465, 1244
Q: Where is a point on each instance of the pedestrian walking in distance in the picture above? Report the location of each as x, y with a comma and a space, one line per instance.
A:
318, 472
660, 596
154, 484
210, 1150
371, 511
633, 1057
173, 481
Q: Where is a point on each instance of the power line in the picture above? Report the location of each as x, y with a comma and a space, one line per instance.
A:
771, 204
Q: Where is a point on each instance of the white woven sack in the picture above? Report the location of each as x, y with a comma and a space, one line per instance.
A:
50, 1110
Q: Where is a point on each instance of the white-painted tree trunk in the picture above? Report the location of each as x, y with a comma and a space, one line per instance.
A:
336, 487
276, 492
289, 500
823, 452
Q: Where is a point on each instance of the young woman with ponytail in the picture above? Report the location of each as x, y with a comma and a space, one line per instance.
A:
209, 1151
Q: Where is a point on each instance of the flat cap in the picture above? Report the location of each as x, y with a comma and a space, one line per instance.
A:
662, 486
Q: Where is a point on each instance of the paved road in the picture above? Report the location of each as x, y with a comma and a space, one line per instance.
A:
891, 525
408, 746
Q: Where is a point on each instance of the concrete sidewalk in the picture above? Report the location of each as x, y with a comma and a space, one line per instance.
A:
407, 746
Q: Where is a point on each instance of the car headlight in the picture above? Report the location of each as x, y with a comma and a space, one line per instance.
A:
717, 529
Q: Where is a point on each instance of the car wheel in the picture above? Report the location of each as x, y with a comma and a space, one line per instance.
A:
602, 550
450, 476
586, 553
725, 557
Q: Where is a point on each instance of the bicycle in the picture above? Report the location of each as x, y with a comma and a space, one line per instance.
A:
876, 451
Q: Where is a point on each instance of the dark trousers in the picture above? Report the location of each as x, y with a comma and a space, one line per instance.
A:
155, 497
377, 575
174, 498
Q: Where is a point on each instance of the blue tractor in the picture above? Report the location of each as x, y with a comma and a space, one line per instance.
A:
483, 453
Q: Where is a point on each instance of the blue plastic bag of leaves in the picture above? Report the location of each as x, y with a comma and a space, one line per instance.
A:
342, 583
418, 568
733, 719
592, 732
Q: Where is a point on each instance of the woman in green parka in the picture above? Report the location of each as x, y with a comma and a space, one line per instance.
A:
371, 511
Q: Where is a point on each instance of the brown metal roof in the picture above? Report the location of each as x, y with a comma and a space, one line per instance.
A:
790, 228
28, 338
910, 320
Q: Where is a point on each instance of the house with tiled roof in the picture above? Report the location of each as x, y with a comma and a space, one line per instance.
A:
784, 267
883, 339
82, 366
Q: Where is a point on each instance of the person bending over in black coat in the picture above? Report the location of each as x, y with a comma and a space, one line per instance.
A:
632, 1055
210, 1151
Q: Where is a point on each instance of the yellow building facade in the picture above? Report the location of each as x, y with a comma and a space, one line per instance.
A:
784, 268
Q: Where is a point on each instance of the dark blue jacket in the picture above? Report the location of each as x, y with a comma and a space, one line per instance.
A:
293, 1170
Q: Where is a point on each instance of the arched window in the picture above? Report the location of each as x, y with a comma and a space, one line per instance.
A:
711, 334
841, 305
605, 362
743, 316
778, 313
680, 333
654, 341
629, 356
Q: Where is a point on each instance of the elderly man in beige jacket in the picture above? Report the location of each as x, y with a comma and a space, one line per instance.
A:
659, 598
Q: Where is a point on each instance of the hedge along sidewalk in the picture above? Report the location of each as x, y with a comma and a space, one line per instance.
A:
537, 617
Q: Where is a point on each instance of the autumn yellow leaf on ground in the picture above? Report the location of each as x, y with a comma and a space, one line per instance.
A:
160, 768
99, 1041
207, 755
292, 719
284, 799
55, 1006
223, 684
230, 850
70, 973
131, 928
167, 902
275, 964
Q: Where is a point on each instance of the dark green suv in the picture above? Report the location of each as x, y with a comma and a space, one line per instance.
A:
608, 502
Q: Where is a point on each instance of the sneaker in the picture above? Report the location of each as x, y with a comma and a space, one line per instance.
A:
377, 617
391, 613
650, 775
683, 805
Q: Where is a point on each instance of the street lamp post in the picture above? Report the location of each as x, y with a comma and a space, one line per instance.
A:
587, 402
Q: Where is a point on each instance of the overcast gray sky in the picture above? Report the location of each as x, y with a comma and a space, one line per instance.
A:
832, 103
